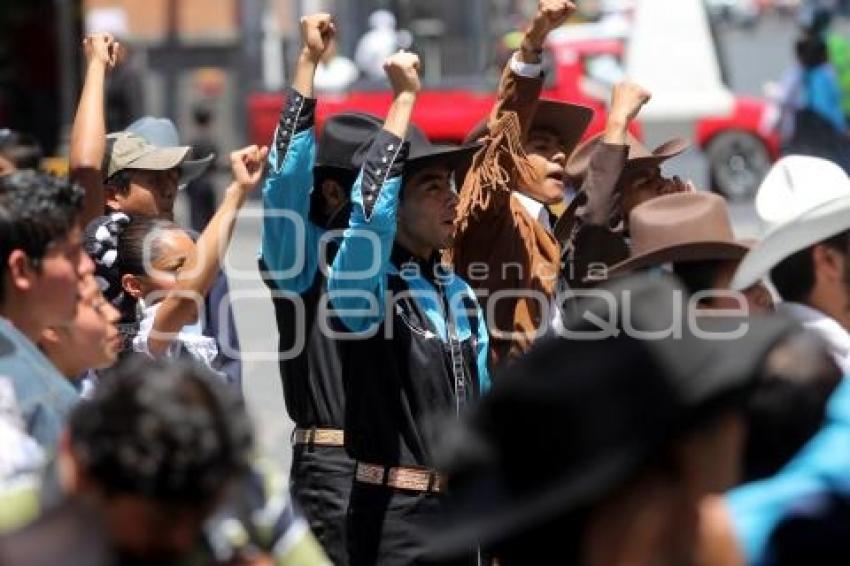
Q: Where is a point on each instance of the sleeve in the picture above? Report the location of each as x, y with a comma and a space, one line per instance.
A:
290, 261
821, 465
519, 90
357, 280
588, 232
482, 353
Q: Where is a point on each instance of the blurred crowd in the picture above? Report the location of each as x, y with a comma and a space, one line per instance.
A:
532, 347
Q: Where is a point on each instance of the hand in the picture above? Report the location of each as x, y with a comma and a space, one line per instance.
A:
247, 166
627, 99
317, 32
550, 15
103, 48
402, 70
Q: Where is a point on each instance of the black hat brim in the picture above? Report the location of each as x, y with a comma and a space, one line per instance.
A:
457, 158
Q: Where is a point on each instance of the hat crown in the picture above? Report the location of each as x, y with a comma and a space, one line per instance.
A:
345, 139
681, 218
796, 185
128, 147
160, 132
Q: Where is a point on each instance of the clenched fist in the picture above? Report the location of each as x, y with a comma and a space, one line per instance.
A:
550, 15
402, 70
247, 166
103, 48
317, 32
627, 98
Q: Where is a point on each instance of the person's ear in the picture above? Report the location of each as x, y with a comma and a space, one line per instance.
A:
111, 197
21, 271
828, 263
49, 336
132, 285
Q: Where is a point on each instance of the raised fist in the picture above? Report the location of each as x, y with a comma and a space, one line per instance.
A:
402, 70
103, 48
627, 98
550, 15
247, 166
317, 32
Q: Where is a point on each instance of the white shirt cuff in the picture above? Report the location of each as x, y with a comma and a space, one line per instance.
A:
527, 70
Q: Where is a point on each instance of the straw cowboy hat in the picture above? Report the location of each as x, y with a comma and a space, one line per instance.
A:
803, 201
692, 226
639, 155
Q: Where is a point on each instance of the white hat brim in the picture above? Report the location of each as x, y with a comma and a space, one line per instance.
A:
807, 229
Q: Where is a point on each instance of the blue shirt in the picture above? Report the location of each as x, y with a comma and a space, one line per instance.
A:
45, 396
823, 464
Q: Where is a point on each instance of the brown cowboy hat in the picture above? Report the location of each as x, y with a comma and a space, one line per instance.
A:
567, 121
692, 226
639, 154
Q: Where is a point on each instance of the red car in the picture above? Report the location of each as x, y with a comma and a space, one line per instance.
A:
739, 147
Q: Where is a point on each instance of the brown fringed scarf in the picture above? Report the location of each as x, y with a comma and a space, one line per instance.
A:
498, 166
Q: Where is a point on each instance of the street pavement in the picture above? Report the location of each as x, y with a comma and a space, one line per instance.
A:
753, 57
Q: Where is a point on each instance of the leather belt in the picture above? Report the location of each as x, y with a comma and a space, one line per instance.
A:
319, 436
413, 479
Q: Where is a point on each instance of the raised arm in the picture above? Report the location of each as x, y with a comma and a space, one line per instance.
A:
289, 182
180, 306
589, 230
358, 277
522, 78
88, 134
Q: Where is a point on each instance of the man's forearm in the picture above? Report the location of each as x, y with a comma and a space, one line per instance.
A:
88, 140
305, 73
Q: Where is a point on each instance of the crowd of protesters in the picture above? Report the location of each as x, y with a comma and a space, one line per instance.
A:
531, 348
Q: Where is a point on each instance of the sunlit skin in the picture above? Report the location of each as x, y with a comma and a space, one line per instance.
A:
151, 193
426, 214
546, 156
639, 185
91, 340
57, 277
174, 248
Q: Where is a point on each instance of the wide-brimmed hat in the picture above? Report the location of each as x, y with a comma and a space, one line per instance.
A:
162, 133
574, 420
639, 155
691, 226
803, 201
567, 121
423, 154
344, 140
126, 150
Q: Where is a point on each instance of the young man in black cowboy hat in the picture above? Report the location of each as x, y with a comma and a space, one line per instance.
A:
413, 340
313, 185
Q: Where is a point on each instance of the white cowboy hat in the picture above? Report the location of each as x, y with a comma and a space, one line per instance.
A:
802, 201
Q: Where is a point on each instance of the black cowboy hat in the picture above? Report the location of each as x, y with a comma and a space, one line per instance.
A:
346, 139
573, 420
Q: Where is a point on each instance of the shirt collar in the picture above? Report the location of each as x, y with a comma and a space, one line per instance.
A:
428, 268
836, 336
535, 209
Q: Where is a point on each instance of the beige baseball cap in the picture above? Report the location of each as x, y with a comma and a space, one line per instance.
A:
126, 150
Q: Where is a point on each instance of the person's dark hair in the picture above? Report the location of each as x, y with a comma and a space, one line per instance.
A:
697, 276
120, 181
23, 150
344, 177
165, 430
133, 239
561, 537
41, 210
811, 51
794, 276
788, 404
